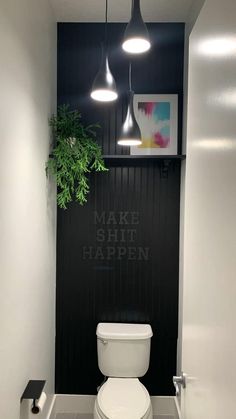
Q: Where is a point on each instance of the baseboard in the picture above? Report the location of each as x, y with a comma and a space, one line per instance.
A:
51, 410
163, 407
177, 404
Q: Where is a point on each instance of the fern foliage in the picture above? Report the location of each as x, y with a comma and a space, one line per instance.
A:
76, 153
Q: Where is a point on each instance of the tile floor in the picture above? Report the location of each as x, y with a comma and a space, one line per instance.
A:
88, 416
73, 416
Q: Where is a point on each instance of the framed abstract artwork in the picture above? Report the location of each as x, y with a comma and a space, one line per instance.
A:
157, 117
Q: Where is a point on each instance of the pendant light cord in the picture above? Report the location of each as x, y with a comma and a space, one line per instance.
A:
130, 77
106, 13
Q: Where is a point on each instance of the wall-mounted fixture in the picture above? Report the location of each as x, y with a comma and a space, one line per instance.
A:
136, 37
104, 85
34, 392
130, 132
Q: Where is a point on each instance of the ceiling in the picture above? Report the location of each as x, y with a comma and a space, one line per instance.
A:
119, 10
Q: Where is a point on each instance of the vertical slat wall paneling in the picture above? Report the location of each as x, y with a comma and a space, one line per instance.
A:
118, 286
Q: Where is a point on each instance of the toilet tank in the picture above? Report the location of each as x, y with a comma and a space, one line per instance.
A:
123, 349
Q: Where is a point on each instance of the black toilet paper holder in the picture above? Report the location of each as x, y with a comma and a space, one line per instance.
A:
33, 391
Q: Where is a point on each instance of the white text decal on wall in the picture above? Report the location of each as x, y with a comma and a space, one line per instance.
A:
116, 235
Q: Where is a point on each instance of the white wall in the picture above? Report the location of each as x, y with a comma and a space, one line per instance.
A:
191, 19
27, 209
209, 343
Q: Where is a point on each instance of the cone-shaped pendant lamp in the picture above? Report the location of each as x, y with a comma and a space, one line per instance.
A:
130, 134
136, 37
104, 85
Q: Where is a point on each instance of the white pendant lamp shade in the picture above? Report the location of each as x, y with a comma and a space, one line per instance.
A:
130, 134
104, 86
136, 37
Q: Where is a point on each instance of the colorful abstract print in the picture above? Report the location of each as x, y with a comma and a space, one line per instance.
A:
154, 121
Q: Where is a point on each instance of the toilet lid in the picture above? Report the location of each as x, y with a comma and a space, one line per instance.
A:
123, 398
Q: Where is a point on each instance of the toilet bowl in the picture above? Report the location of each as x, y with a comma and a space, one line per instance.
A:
123, 398
123, 357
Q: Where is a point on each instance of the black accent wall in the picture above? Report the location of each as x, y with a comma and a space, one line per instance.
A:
117, 257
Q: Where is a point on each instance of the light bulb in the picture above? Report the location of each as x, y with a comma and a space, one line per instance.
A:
136, 45
129, 142
104, 95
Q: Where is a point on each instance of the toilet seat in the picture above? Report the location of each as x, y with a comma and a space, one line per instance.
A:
121, 398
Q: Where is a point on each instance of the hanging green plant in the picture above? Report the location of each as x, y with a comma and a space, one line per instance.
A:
76, 153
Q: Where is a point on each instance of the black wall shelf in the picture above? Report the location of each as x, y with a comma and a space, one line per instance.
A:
165, 162
141, 157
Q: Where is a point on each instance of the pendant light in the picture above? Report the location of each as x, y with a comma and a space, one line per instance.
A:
130, 134
136, 37
104, 85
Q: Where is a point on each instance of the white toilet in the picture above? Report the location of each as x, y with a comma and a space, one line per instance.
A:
123, 356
